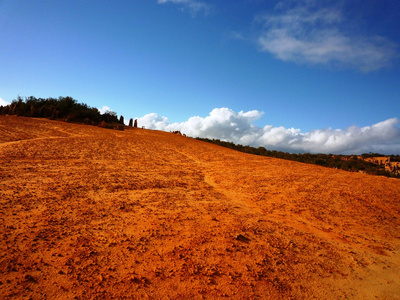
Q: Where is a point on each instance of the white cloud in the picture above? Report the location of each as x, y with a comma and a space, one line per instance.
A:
193, 6
235, 35
3, 102
225, 124
308, 34
154, 121
103, 109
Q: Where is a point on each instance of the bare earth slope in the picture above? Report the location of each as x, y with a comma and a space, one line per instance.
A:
92, 213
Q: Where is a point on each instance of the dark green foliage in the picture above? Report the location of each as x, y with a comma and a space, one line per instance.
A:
344, 162
64, 108
110, 117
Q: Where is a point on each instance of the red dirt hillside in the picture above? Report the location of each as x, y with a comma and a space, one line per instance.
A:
93, 213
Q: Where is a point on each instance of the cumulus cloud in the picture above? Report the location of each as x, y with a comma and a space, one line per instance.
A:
225, 124
103, 109
193, 6
307, 33
3, 102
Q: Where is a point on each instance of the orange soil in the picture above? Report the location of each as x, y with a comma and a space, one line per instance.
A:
92, 213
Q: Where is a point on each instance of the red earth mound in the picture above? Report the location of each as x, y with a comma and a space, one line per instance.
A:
93, 213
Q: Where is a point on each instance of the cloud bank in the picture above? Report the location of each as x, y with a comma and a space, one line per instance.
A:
193, 6
227, 125
306, 33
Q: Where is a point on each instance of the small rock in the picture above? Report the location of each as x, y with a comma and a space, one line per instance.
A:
242, 238
30, 278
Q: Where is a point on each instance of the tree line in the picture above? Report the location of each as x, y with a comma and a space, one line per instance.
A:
351, 163
64, 108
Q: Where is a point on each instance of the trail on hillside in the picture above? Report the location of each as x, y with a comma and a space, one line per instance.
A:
92, 213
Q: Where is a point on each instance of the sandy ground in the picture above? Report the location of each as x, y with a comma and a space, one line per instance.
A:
92, 213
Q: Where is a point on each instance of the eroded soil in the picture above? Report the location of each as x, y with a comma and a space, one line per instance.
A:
92, 213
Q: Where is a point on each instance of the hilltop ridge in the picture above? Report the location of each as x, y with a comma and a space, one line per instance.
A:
68, 109
95, 213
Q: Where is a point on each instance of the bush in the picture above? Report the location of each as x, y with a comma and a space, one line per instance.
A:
65, 108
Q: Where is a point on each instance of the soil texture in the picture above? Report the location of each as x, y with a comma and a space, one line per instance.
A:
93, 213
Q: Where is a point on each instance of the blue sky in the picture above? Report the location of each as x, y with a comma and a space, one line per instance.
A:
298, 76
